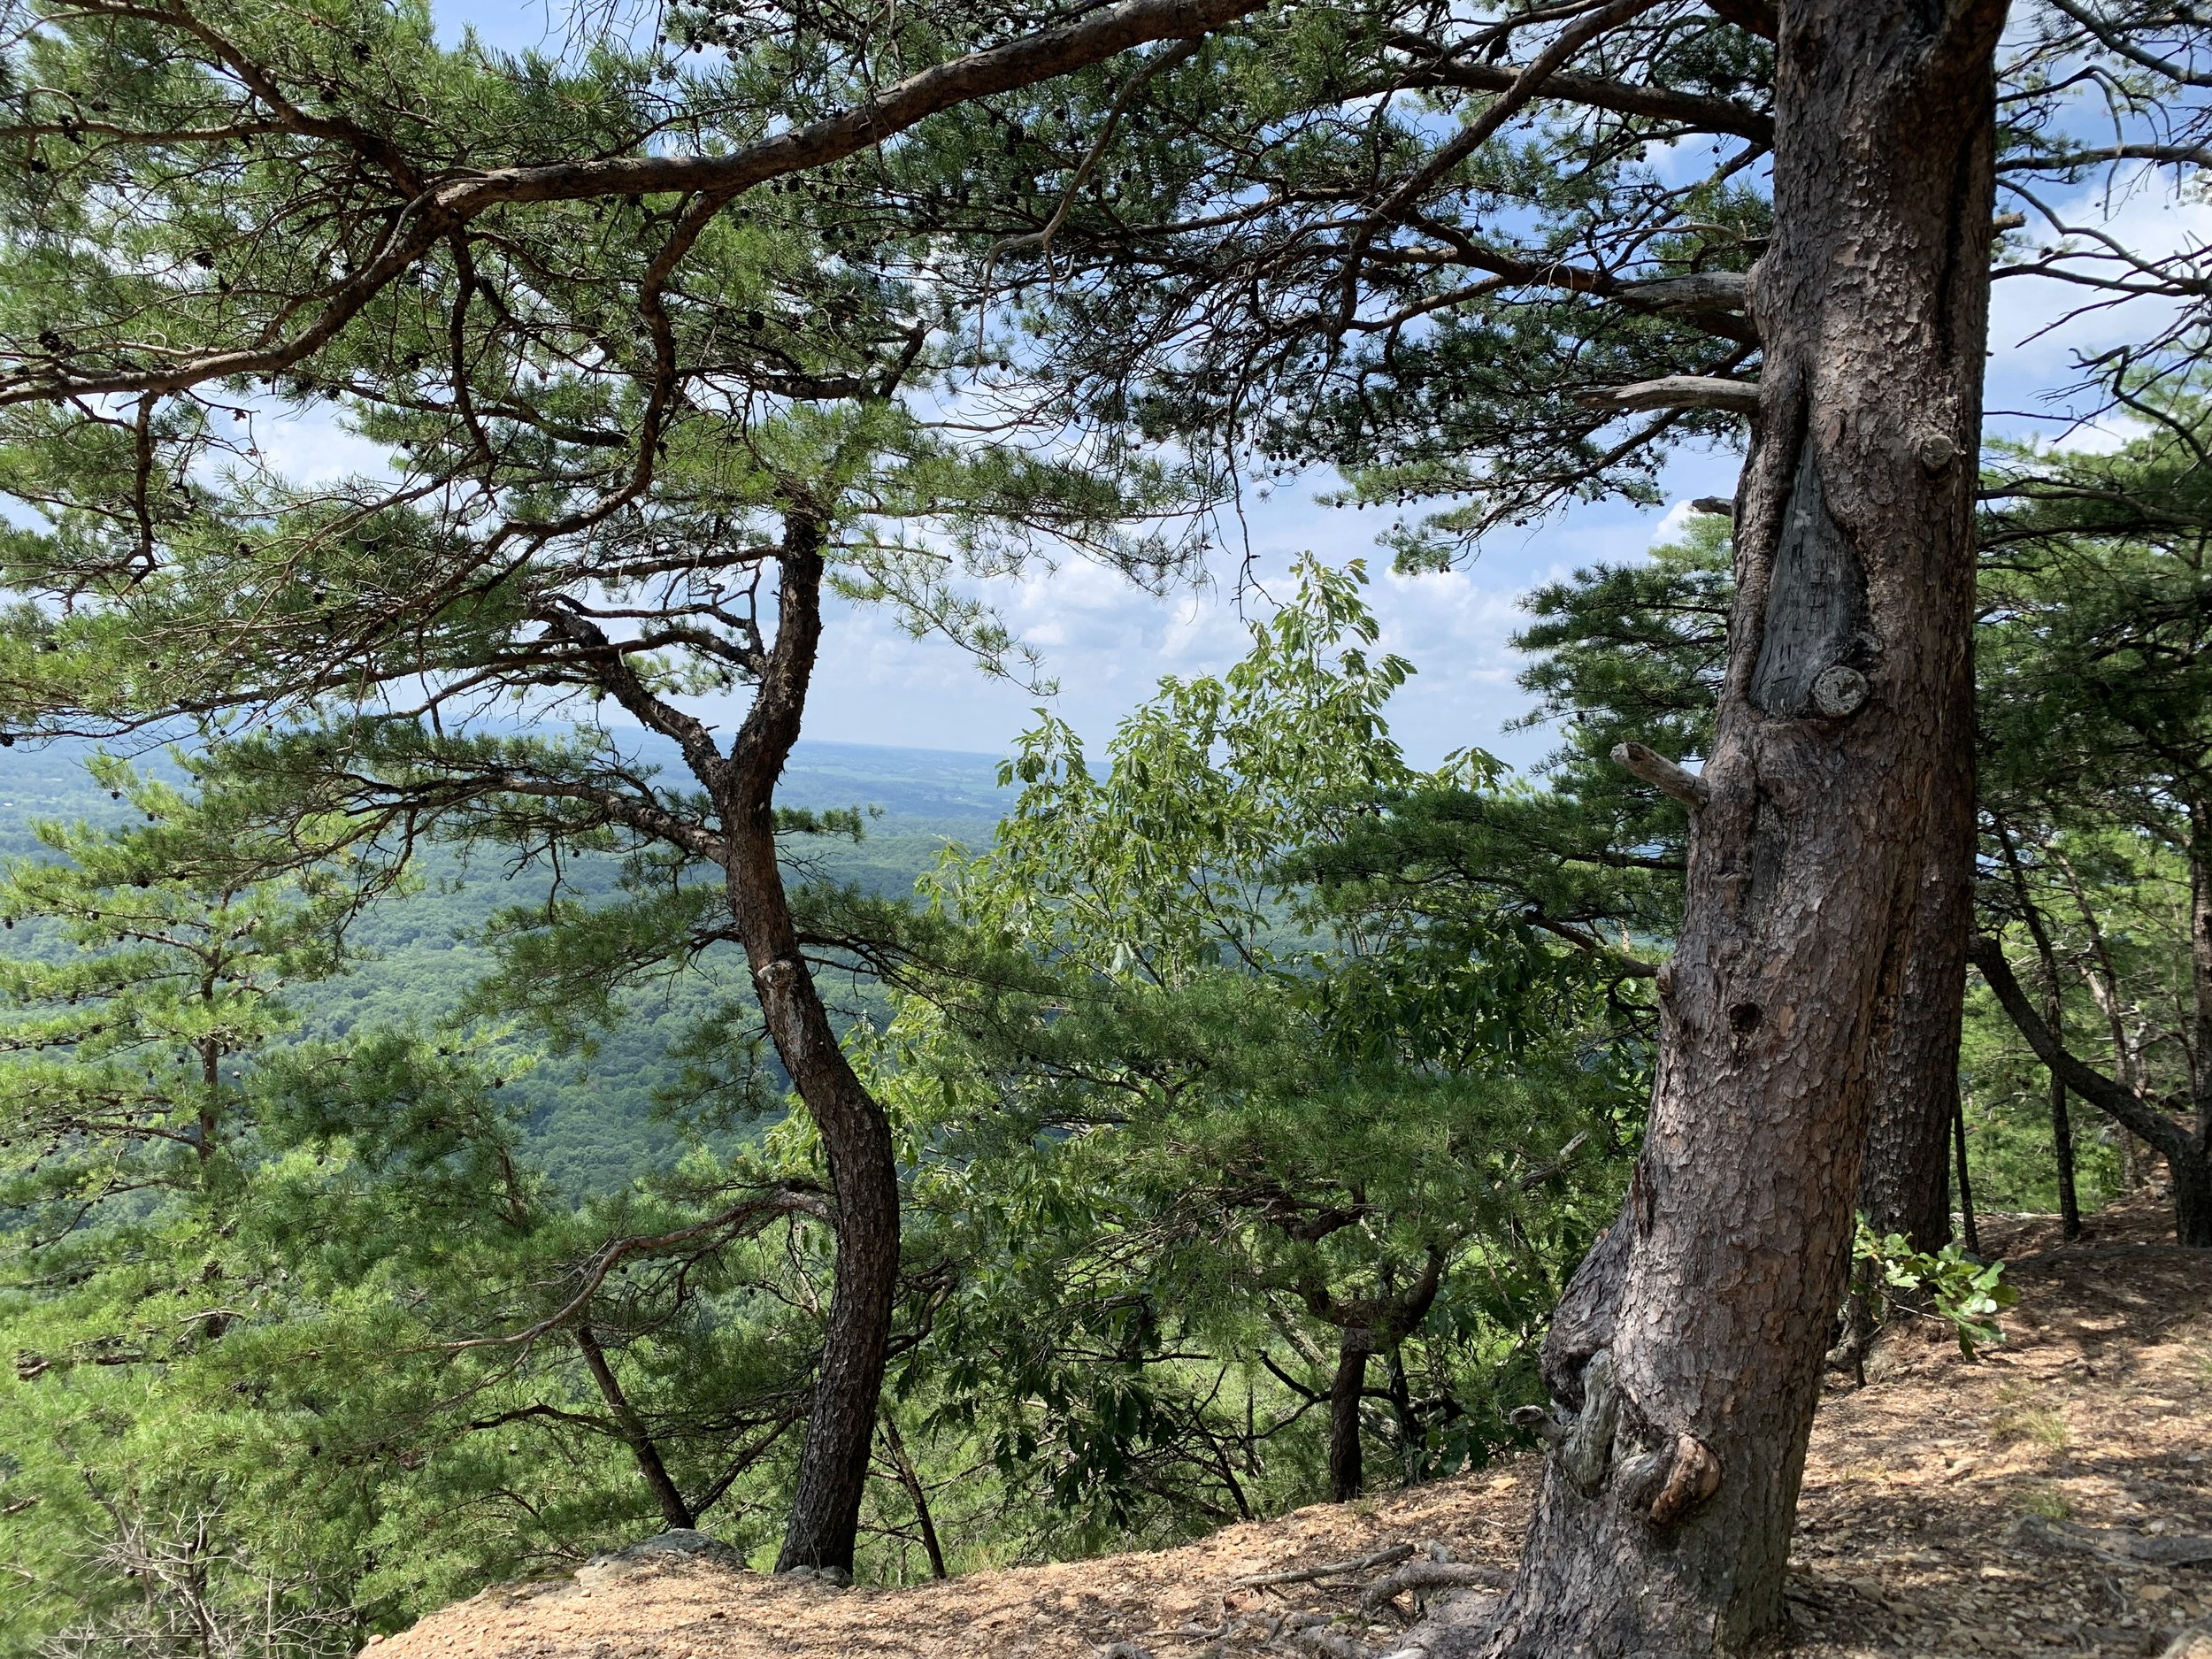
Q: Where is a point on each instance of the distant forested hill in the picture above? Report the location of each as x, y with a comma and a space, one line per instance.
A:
590, 1117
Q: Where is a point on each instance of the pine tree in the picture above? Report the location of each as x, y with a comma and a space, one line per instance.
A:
627, 476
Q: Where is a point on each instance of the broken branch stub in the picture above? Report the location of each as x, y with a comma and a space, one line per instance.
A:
1662, 774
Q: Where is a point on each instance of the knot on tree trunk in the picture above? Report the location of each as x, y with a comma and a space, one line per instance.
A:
1669, 1476
1691, 1477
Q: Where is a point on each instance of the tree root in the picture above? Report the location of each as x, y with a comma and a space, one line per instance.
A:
1318, 1635
1331, 1644
1329, 1569
1421, 1576
2115, 1544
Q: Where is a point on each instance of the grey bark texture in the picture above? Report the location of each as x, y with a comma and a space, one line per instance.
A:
1703, 1318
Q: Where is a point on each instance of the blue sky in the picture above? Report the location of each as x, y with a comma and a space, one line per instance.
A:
1107, 645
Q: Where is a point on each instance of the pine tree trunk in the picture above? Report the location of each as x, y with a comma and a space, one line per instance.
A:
916, 1493
1970, 1234
1905, 1186
1347, 1473
2192, 1200
1687, 1365
855, 1136
2200, 978
675, 1511
2063, 1128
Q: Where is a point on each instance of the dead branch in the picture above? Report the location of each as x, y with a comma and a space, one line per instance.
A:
1329, 1569
1677, 391
2116, 1544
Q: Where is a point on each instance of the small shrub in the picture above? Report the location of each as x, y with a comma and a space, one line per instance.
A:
2048, 1501
2045, 1427
1947, 1285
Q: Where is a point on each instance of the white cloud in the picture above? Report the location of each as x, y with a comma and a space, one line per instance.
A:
2100, 436
1674, 524
2039, 326
314, 447
1108, 644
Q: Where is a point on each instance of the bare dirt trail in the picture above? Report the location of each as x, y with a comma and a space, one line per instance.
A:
2053, 1497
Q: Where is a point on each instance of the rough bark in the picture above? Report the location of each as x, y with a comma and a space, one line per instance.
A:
1905, 1185
675, 1513
1664, 1522
856, 1135
1347, 1471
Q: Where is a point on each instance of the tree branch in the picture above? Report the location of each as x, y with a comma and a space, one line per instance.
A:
437, 211
1677, 391
2119, 1103
1708, 115
1662, 774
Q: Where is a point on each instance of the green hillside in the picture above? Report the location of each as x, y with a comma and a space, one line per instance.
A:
592, 1126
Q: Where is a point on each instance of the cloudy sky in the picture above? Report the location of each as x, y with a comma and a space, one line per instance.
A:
1107, 644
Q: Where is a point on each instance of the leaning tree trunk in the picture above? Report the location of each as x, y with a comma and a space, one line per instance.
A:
670, 1498
2062, 1125
1905, 1185
856, 1135
2187, 1150
1688, 1371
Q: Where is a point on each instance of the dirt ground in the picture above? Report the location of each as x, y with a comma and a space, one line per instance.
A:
2013, 1505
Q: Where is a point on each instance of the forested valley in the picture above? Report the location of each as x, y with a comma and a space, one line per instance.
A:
482, 1084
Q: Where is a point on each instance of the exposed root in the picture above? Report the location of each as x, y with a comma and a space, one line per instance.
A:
2115, 1544
1330, 1570
1420, 1577
1315, 1636
1330, 1645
